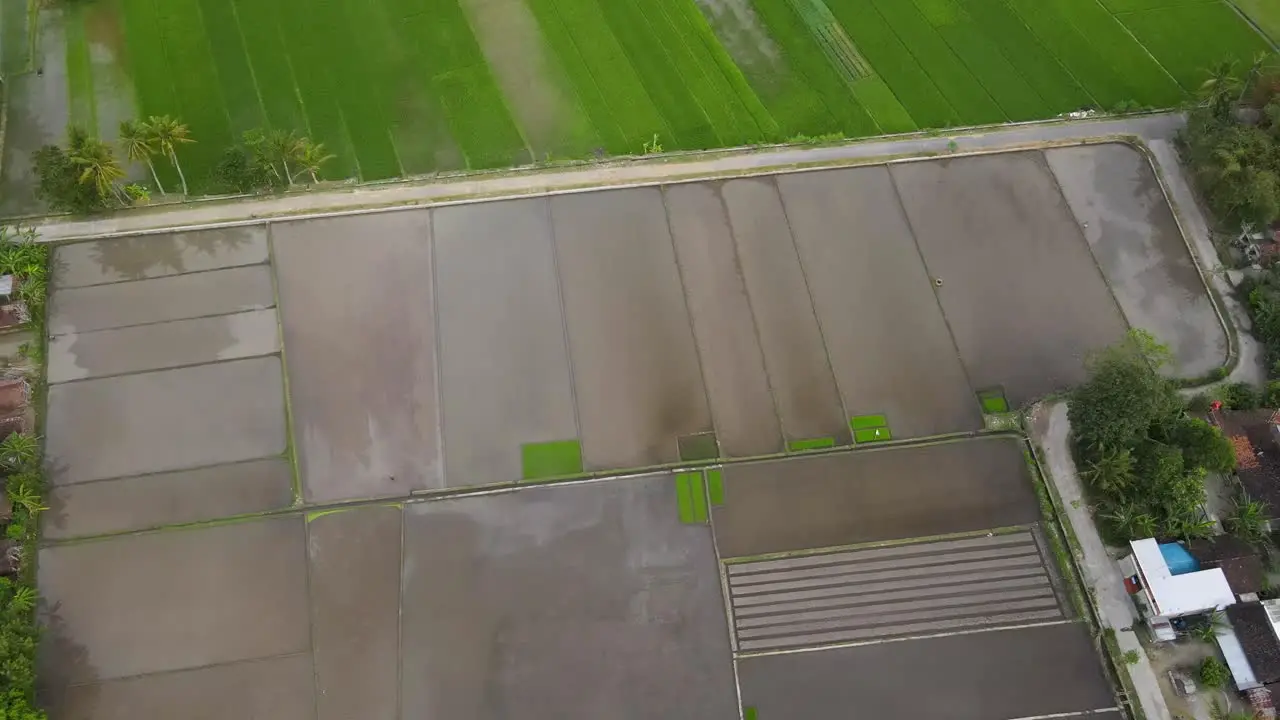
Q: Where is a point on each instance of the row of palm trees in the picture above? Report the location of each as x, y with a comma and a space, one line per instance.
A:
284, 156
141, 140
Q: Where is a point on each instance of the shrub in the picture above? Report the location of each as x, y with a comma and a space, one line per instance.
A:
58, 178
1240, 396
1199, 403
1214, 674
1271, 396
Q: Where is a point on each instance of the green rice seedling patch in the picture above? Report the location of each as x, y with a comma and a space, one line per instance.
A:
304, 37
648, 48
871, 435
559, 458
14, 48
691, 497
810, 444
152, 86
1147, 81
983, 57
1051, 80
800, 88
79, 71
1122, 6
477, 115
1073, 50
957, 84
417, 121
1266, 13
715, 486
895, 63
1189, 40
269, 64
993, 401
612, 87
351, 32
200, 102
478, 118
879, 100
864, 422
561, 41
750, 121
244, 110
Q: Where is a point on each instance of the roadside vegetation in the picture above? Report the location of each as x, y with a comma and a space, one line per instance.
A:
20, 463
1143, 457
85, 175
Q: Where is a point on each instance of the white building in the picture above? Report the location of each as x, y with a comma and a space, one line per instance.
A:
1166, 583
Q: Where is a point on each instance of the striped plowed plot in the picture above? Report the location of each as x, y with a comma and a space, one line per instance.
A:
873, 594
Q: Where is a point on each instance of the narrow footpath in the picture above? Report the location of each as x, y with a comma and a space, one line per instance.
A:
1051, 430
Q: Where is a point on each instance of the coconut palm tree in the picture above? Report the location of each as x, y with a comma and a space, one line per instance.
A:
98, 166
311, 156
1112, 471
167, 134
283, 146
138, 144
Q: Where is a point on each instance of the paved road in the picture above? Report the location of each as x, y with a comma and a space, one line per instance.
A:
1159, 127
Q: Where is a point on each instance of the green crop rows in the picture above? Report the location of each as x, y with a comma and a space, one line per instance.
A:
405, 87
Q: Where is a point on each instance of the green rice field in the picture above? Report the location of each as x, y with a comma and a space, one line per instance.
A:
407, 87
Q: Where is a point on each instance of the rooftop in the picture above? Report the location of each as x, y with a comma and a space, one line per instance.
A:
1183, 594
1257, 636
1235, 557
1257, 457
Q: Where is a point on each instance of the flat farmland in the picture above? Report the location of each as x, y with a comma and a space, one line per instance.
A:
407, 87
626, 329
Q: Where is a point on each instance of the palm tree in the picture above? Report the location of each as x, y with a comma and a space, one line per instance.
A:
284, 146
1221, 76
1113, 470
138, 144
1219, 89
167, 133
1260, 60
99, 166
1248, 520
311, 156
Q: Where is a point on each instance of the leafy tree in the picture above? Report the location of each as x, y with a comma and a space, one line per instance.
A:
1143, 457
237, 171
98, 167
167, 133
1124, 395
58, 177
1202, 444
1240, 396
269, 160
138, 144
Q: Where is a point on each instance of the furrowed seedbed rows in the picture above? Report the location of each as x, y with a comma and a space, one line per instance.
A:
405, 87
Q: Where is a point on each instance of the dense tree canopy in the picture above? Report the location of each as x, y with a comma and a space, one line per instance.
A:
1143, 457
1232, 144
